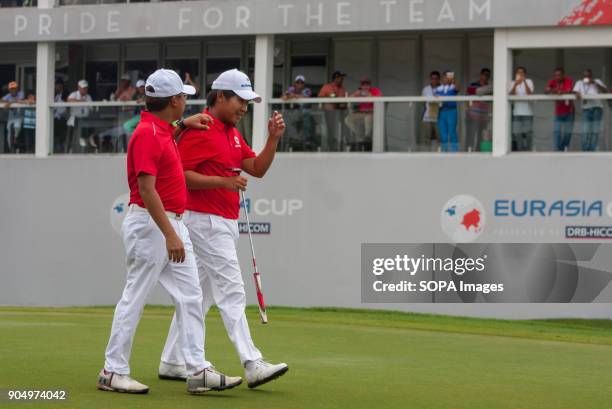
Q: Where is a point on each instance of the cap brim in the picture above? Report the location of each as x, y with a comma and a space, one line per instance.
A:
189, 90
248, 95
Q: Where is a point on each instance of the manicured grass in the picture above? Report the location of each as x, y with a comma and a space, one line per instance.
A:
338, 359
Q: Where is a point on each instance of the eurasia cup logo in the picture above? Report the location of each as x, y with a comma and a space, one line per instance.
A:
118, 211
463, 219
589, 13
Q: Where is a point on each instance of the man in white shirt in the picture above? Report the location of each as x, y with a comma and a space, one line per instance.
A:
522, 112
592, 109
77, 114
431, 136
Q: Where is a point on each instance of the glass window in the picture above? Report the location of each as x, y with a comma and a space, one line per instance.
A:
141, 60
220, 57
18, 3
398, 70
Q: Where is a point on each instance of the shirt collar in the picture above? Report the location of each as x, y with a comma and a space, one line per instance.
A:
146, 116
218, 124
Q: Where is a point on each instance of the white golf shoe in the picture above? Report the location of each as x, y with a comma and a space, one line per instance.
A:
171, 372
260, 372
211, 380
110, 381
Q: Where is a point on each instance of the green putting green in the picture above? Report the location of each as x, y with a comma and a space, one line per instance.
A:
337, 358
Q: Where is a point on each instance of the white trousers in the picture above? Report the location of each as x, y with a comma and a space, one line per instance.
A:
147, 264
360, 123
214, 241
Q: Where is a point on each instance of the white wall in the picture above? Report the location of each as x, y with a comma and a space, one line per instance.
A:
58, 248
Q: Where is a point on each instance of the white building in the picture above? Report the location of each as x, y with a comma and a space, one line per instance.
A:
395, 191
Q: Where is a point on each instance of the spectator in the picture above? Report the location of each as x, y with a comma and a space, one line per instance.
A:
447, 119
334, 89
78, 116
192, 109
125, 91
28, 134
15, 118
298, 89
59, 118
564, 110
478, 112
592, 109
194, 83
300, 120
123, 133
139, 96
522, 112
129, 127
431, 135
334, 113
360, 122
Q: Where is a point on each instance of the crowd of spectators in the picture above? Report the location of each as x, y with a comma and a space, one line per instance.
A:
338, 126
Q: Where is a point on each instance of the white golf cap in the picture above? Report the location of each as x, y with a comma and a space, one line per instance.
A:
239, 82
83, 84
126, 76
140, 83
166, 83
300, 78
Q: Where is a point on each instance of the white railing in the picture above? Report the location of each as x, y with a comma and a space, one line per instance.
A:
379, 112
563, 97
361, 100
120, 104
15, 105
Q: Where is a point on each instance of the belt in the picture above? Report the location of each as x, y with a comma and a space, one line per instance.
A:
171, 215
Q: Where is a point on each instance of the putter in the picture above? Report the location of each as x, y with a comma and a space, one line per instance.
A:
256, 276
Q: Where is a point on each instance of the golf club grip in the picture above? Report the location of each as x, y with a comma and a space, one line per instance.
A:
260, 299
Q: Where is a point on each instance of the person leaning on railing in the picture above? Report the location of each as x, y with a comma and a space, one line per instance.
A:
592, 109
77, 116
447, 119
299, 118
561, 84
360, 122
26, 140
522, 112
431, 135
15, 117
478, 113
334, 113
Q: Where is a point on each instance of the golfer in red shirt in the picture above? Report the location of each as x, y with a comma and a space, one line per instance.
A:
157, 243
212, 211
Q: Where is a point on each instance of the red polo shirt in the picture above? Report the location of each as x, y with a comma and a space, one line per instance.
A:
563, 108
369, 106
212, 153
152, 150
